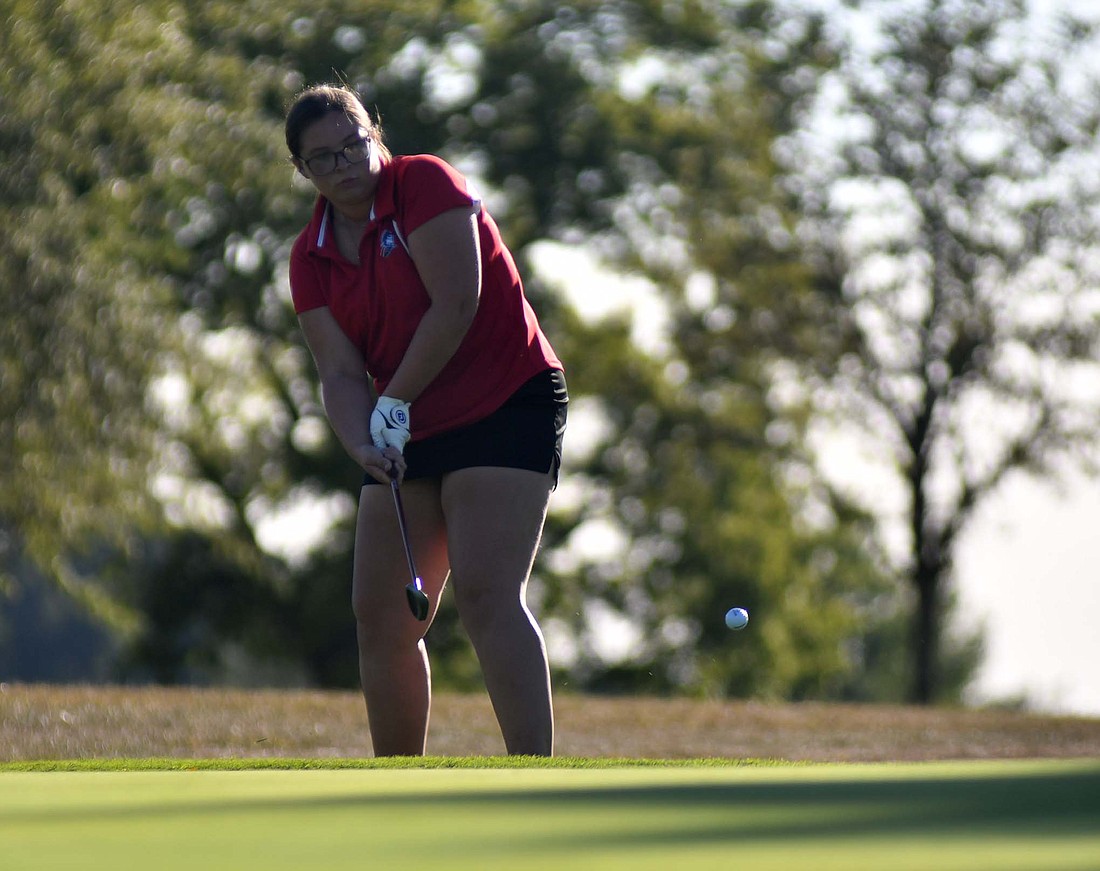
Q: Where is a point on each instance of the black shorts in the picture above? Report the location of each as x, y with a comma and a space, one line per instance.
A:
524, 433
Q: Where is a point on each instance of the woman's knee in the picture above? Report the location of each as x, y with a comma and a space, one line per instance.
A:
485, 611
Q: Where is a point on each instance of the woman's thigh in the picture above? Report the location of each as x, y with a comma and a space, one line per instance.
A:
494, 518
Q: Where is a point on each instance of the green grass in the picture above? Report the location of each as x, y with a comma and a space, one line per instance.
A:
575, 814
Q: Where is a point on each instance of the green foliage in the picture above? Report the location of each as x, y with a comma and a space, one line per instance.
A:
82, 324
159, 409
691, 470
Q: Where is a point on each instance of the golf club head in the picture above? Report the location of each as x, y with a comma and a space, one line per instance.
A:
418, 602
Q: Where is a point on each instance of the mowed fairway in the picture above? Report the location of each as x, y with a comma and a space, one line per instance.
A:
1042, 815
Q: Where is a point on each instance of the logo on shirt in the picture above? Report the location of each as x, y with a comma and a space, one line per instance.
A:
389, 242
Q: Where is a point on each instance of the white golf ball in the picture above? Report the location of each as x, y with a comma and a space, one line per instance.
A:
737, 618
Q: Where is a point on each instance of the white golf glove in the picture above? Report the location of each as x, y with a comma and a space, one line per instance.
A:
389, 423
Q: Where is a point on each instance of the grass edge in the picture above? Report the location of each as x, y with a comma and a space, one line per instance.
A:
388, 763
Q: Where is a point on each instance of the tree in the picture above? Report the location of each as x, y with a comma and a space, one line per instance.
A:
179, 141
666, 172
139, 251
81, 325
947, 174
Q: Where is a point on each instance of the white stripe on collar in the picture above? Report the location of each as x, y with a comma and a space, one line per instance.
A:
324, 226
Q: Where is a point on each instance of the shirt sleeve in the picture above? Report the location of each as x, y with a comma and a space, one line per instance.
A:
429, 187
306, 291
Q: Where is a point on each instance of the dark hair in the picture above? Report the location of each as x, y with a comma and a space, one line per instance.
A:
315, 102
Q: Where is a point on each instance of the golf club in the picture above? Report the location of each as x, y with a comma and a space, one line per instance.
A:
418, 601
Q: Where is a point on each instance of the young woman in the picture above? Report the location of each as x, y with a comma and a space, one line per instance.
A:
433, 369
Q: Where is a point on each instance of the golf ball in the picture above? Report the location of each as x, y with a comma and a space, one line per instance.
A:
737, 618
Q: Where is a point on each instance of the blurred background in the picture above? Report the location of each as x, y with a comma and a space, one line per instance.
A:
824, 277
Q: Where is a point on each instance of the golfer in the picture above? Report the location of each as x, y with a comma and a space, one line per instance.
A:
433, 369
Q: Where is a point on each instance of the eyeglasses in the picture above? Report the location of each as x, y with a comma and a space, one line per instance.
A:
323, 164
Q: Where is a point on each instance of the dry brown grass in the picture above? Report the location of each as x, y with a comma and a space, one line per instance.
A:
77, 722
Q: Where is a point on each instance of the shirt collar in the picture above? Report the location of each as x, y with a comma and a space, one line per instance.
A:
384, 205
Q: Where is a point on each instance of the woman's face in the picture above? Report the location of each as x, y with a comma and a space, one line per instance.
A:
351, 184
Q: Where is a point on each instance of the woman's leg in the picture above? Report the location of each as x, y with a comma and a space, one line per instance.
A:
494, 520
393, 663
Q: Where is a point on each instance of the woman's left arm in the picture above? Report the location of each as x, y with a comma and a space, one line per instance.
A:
447, 254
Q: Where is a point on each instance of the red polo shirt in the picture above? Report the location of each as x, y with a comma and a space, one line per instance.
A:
379, 303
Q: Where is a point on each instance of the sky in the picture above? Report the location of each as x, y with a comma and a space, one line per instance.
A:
1029, 569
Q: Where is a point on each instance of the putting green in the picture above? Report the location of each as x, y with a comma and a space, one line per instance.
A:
969, 816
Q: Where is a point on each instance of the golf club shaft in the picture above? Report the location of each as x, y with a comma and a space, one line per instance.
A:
404, 531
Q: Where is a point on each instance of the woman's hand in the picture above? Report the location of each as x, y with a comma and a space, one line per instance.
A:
389, 423
384, 465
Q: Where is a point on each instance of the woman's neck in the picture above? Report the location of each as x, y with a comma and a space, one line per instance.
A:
356, 217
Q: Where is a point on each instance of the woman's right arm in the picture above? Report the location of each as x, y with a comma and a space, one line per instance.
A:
346, 392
